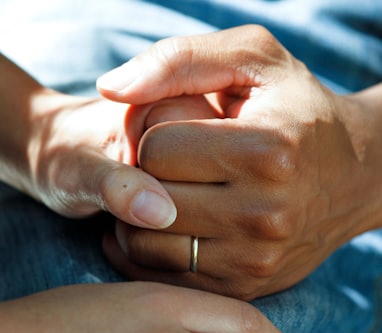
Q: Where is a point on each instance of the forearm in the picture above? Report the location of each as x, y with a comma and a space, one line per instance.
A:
18, 94
26, 124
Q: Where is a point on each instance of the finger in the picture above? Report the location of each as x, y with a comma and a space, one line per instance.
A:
231, 267
154, 250
172, 252
199, 280
212, 150
136, 198
222, 259
180, 108
171, 109
196, 65
217, 314
206, 210
221, 176
125, 191
215, 210
120, 258
185, 151
224, 315
113, 250
207, 313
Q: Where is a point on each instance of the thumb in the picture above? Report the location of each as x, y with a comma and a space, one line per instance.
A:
137, 198
237, 57
128, 193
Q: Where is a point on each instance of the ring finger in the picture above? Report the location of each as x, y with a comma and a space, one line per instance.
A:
172, 252
135, 271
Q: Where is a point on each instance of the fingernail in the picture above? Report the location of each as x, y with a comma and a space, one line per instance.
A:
153, 210
121, 77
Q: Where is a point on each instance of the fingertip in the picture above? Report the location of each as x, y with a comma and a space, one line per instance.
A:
115, 84
108, 94
153, 209
113, 250
137, 198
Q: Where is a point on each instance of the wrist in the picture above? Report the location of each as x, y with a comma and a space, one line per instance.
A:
361, 115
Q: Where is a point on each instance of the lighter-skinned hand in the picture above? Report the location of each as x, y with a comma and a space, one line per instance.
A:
290, 174
134, 307
77, 155
82, 157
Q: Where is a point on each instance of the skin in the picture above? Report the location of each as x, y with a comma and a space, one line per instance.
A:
287, 175
77, 156
136, 307
50, 150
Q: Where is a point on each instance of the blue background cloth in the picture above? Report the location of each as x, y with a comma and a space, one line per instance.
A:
67, 44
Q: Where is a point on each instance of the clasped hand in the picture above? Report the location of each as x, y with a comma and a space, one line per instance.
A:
271, 186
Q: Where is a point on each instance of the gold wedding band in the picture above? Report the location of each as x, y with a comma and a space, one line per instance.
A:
194, 254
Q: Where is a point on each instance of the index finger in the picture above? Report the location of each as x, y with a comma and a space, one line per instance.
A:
237, 57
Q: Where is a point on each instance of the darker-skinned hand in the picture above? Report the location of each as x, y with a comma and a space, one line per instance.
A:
270, 190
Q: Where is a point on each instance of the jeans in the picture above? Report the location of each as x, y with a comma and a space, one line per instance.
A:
67, 44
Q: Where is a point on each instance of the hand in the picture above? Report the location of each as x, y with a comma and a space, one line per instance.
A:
130, 307
85, 161
78, 155
289, 175
87, 157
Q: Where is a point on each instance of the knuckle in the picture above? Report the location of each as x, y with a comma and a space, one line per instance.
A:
272, 152
269, 221
260, 33
264, 54
276, 225
254, 273
282, 162
267, 50
266, 265
174, 54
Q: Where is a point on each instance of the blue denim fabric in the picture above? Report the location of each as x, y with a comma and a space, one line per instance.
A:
40, 249
67, 44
